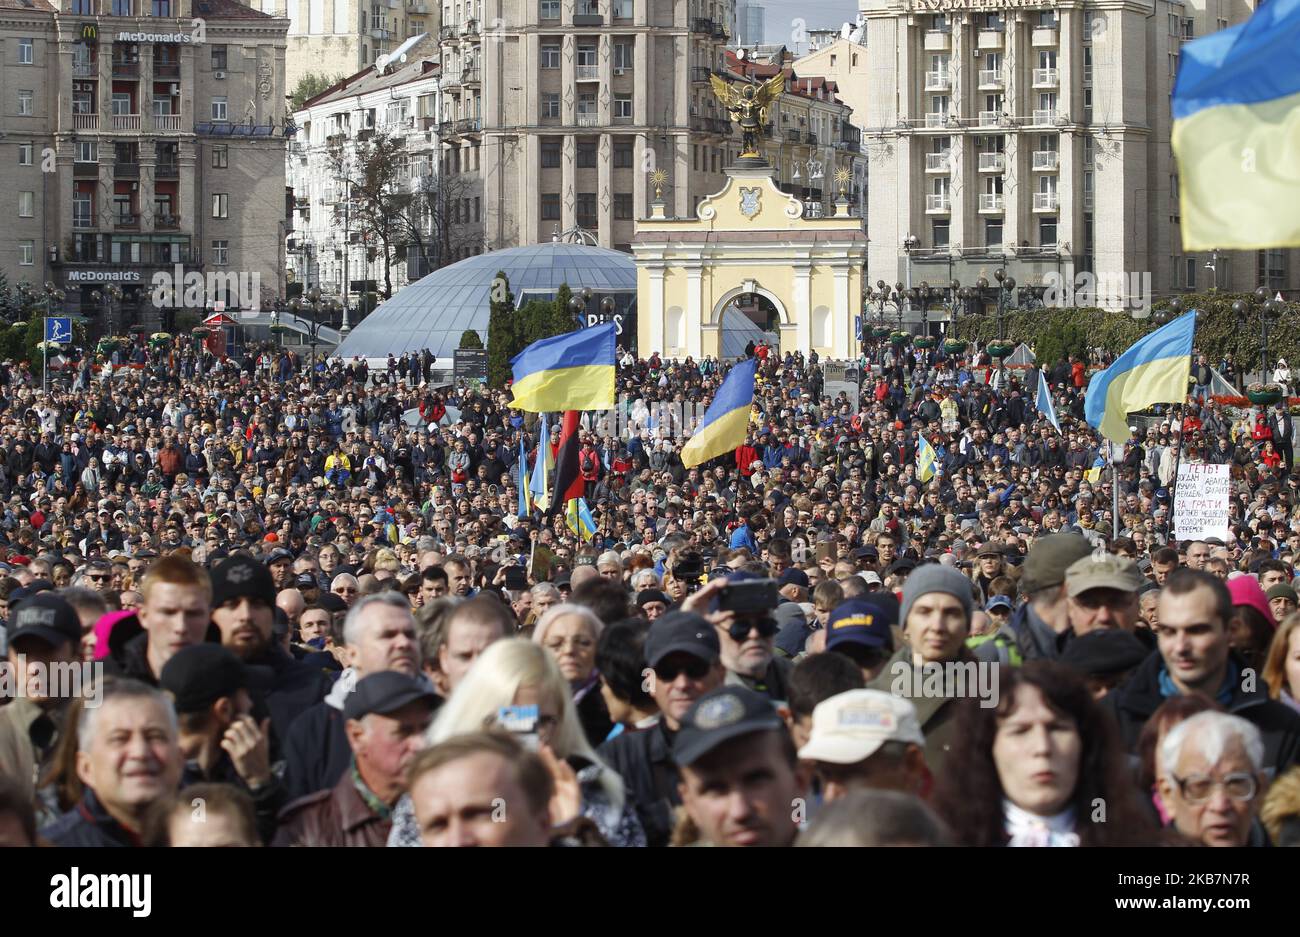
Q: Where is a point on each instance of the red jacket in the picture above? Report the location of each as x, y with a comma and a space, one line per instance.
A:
745, 457
1076, 373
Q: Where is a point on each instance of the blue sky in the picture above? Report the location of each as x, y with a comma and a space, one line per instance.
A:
817, 15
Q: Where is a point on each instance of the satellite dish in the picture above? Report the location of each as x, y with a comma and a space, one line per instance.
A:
403, 58
381, 62
740, 54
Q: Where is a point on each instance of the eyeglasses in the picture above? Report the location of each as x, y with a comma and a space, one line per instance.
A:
739, 630
1198, 788
695, 670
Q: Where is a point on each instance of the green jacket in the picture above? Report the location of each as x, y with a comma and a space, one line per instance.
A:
936, 713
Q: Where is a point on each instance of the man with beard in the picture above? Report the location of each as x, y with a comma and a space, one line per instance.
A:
243, 609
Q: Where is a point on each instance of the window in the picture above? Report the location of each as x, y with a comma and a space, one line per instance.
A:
221, 253
84, 7
123, 8
623, 156
121, 104
550, 9
83, 98
993, 21
26, 204
1047, 232
219, 108
220, 205
623, 9
623, 206
25, 103
1191, 273
993, 232
219, 58
551, 55
478, 205
551, 154
586, 156
83, 210
1047, 19
86, 152
24, 154
1090, 24
162, 8
624, 56
220, 157
939, 23
26, 253
25, 51
623, 106
1271, 266
550, 104
939, 233
551, 207
587, 105
586, 209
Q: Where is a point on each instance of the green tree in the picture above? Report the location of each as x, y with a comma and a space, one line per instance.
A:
309, 86
470, 339
503, 340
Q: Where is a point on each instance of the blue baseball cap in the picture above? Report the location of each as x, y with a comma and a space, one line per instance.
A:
861, 621
999, 601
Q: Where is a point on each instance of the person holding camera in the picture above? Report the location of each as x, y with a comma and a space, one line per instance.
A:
739, 606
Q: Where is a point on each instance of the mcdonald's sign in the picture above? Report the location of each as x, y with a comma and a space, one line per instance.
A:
89, 33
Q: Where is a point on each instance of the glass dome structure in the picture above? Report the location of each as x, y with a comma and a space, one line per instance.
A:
433, 312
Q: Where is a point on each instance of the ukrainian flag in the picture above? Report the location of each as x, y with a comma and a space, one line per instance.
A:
727, 419
573, 371
1153, 370
926, 460
578, 517
1236, 133
539, 484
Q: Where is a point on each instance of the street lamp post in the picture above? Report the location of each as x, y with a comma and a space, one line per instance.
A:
1269, 311
312, 303
1006, 290
909, 243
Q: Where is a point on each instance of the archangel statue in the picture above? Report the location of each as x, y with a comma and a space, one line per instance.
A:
748, 105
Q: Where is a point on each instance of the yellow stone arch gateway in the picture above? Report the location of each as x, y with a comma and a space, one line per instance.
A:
749, 238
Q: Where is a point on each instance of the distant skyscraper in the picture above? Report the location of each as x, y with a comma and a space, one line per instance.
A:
749, 20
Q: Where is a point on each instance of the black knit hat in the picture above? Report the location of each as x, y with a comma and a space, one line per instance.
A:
240, 576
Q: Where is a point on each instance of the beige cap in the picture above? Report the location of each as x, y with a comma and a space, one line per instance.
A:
852, 726
1102, 571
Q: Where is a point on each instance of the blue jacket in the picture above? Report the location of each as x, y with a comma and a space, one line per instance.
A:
741, 537
88, 824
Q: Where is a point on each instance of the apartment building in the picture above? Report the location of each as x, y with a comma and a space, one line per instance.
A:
139, 137
331, 246
1033, 135
341, 37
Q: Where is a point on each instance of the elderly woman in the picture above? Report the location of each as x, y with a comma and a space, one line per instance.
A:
1213, 779
518, 673
571, 633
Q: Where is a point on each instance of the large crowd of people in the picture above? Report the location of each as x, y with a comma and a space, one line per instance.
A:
308, 600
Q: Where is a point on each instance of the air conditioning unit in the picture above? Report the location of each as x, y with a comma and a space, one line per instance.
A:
620, 71
176, 91
135, 186
220, 76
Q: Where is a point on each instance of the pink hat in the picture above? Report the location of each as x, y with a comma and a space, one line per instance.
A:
1246, 590
104, 629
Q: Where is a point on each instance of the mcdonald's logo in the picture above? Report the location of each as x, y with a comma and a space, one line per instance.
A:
89, 32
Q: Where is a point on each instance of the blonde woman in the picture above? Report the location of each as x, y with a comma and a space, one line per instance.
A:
570, 632
1282, 666
515, 672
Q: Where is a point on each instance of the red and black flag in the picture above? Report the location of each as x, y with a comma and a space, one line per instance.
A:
568, 480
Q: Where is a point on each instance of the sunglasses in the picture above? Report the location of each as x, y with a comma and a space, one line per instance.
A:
695, 670
739, 630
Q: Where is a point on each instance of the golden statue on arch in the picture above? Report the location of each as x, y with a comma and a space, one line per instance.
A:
748, 105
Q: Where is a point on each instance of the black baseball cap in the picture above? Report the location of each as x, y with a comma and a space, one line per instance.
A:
47, 617
331, 602
306, 581
199, 675
241, 576
681, 631
719, 716
279, 555
386, 692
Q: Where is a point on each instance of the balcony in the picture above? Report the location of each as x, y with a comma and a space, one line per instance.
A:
448, 32
588, 19
792, 136
937, 204
447, 128
426, 123
587, 119
470, 28
936, 119
1045, 117
988, 118
126, 122
937, 162
991, 78
853, 145
937, 81
700, 73
82, 221
989, 39
380, 33
1046, 77
85, 170
720, 32
129, 222
86, 70
1045, 201
586, 72
167, 70
721, 125
126, 170
1043, 36
1046, 160
126, 69
469, 125
702, 27
990, 202
470, 76
167, 123
810, 138
416, 6
336, 139
993, 162
167, 223
938, 40
85, 121
167, 170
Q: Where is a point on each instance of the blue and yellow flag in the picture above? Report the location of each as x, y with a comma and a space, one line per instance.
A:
727, 419
926, 461
1153, 370
523, 480
1236, 133
573, 371
539, 484
578, 516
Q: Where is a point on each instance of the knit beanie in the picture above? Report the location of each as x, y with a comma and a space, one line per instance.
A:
934, 577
